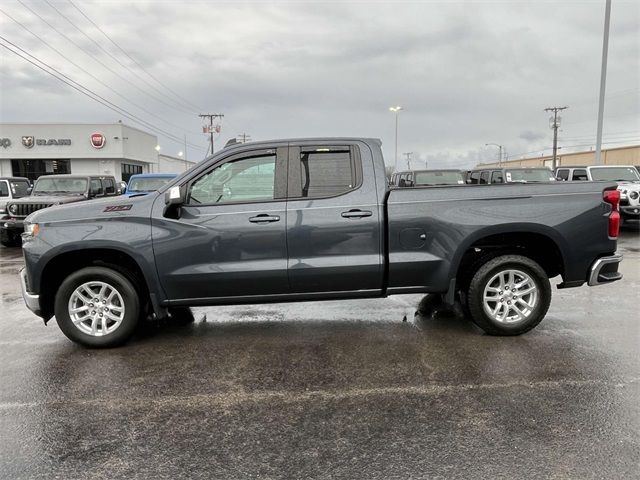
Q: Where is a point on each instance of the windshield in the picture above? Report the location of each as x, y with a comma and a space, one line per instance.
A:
439, 178
530, 175
19, 189
147, 184
628, 174
47, 186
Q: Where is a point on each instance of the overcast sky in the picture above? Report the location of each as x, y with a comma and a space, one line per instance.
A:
467, 73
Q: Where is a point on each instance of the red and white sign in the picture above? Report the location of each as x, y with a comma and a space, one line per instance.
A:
98, 140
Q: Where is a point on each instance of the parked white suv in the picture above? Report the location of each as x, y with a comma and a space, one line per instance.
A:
626, 176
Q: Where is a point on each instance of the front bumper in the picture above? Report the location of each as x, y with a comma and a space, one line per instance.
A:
605, 270
13, 225
31, 301
630, 211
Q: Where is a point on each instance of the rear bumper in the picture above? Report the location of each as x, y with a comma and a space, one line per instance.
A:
605, 270
31, 301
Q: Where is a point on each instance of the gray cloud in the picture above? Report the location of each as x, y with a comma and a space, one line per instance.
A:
467, 73
530, 136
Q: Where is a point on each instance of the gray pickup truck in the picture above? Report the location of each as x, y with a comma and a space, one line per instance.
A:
314, 219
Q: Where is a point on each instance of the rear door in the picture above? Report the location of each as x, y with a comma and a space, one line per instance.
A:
333, 220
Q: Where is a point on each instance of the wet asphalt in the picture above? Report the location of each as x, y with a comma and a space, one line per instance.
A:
328, 390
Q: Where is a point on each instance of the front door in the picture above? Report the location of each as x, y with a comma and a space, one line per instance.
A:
229, 239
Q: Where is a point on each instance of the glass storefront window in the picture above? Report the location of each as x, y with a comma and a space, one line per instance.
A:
34, 168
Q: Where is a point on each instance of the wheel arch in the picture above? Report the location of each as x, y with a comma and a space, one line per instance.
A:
60, 264
540, 243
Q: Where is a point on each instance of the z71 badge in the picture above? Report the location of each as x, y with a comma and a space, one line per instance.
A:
118, 208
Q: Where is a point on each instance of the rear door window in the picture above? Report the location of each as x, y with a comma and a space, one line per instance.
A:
579, 175
496, 177
326, 173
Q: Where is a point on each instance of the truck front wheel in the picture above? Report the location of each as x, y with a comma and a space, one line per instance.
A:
97, 307
508, 295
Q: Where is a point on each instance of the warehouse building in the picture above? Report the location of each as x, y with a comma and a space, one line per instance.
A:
612, 156
32, 150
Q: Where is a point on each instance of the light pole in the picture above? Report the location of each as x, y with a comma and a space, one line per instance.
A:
396, 110
500, 153
157, 147
603, 81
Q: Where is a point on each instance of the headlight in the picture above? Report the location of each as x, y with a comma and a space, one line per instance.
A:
31, 229
633, 194
13, 209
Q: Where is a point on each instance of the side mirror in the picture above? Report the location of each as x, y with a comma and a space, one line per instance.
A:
174, 196
29, 190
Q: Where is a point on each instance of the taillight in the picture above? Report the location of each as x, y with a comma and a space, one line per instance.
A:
612, 197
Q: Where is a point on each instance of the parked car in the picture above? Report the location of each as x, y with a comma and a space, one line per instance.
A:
510, 175
11, 188
52, 190
626, 176
414, 178
314, 219
145, 183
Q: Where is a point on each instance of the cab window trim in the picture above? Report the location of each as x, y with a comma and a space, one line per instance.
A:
278, 188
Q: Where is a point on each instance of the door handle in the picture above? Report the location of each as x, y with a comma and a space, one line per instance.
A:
264, 218
356, 214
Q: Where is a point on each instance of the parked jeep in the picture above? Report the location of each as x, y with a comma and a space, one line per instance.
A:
11, 188
52, 190
626, 176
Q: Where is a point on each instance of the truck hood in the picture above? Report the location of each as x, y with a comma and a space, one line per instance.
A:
54, 199
95, 209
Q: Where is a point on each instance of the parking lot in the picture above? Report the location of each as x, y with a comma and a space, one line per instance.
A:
328, 390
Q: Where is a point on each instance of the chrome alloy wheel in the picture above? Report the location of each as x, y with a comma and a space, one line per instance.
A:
96, 308
510, 296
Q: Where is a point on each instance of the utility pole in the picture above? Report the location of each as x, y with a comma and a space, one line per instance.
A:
603, 81
554, 124
408, 155
211, 116
244, 138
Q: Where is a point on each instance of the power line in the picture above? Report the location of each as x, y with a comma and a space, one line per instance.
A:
99, 61
85, 91
130, 57
90, 74
106, 51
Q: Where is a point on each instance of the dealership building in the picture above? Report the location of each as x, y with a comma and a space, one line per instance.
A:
31, 150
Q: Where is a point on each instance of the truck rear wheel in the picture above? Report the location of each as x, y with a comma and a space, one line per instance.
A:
508, 295
97, 307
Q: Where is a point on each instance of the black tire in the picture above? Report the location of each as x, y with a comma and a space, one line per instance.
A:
475, 295
10, 240
116, 280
